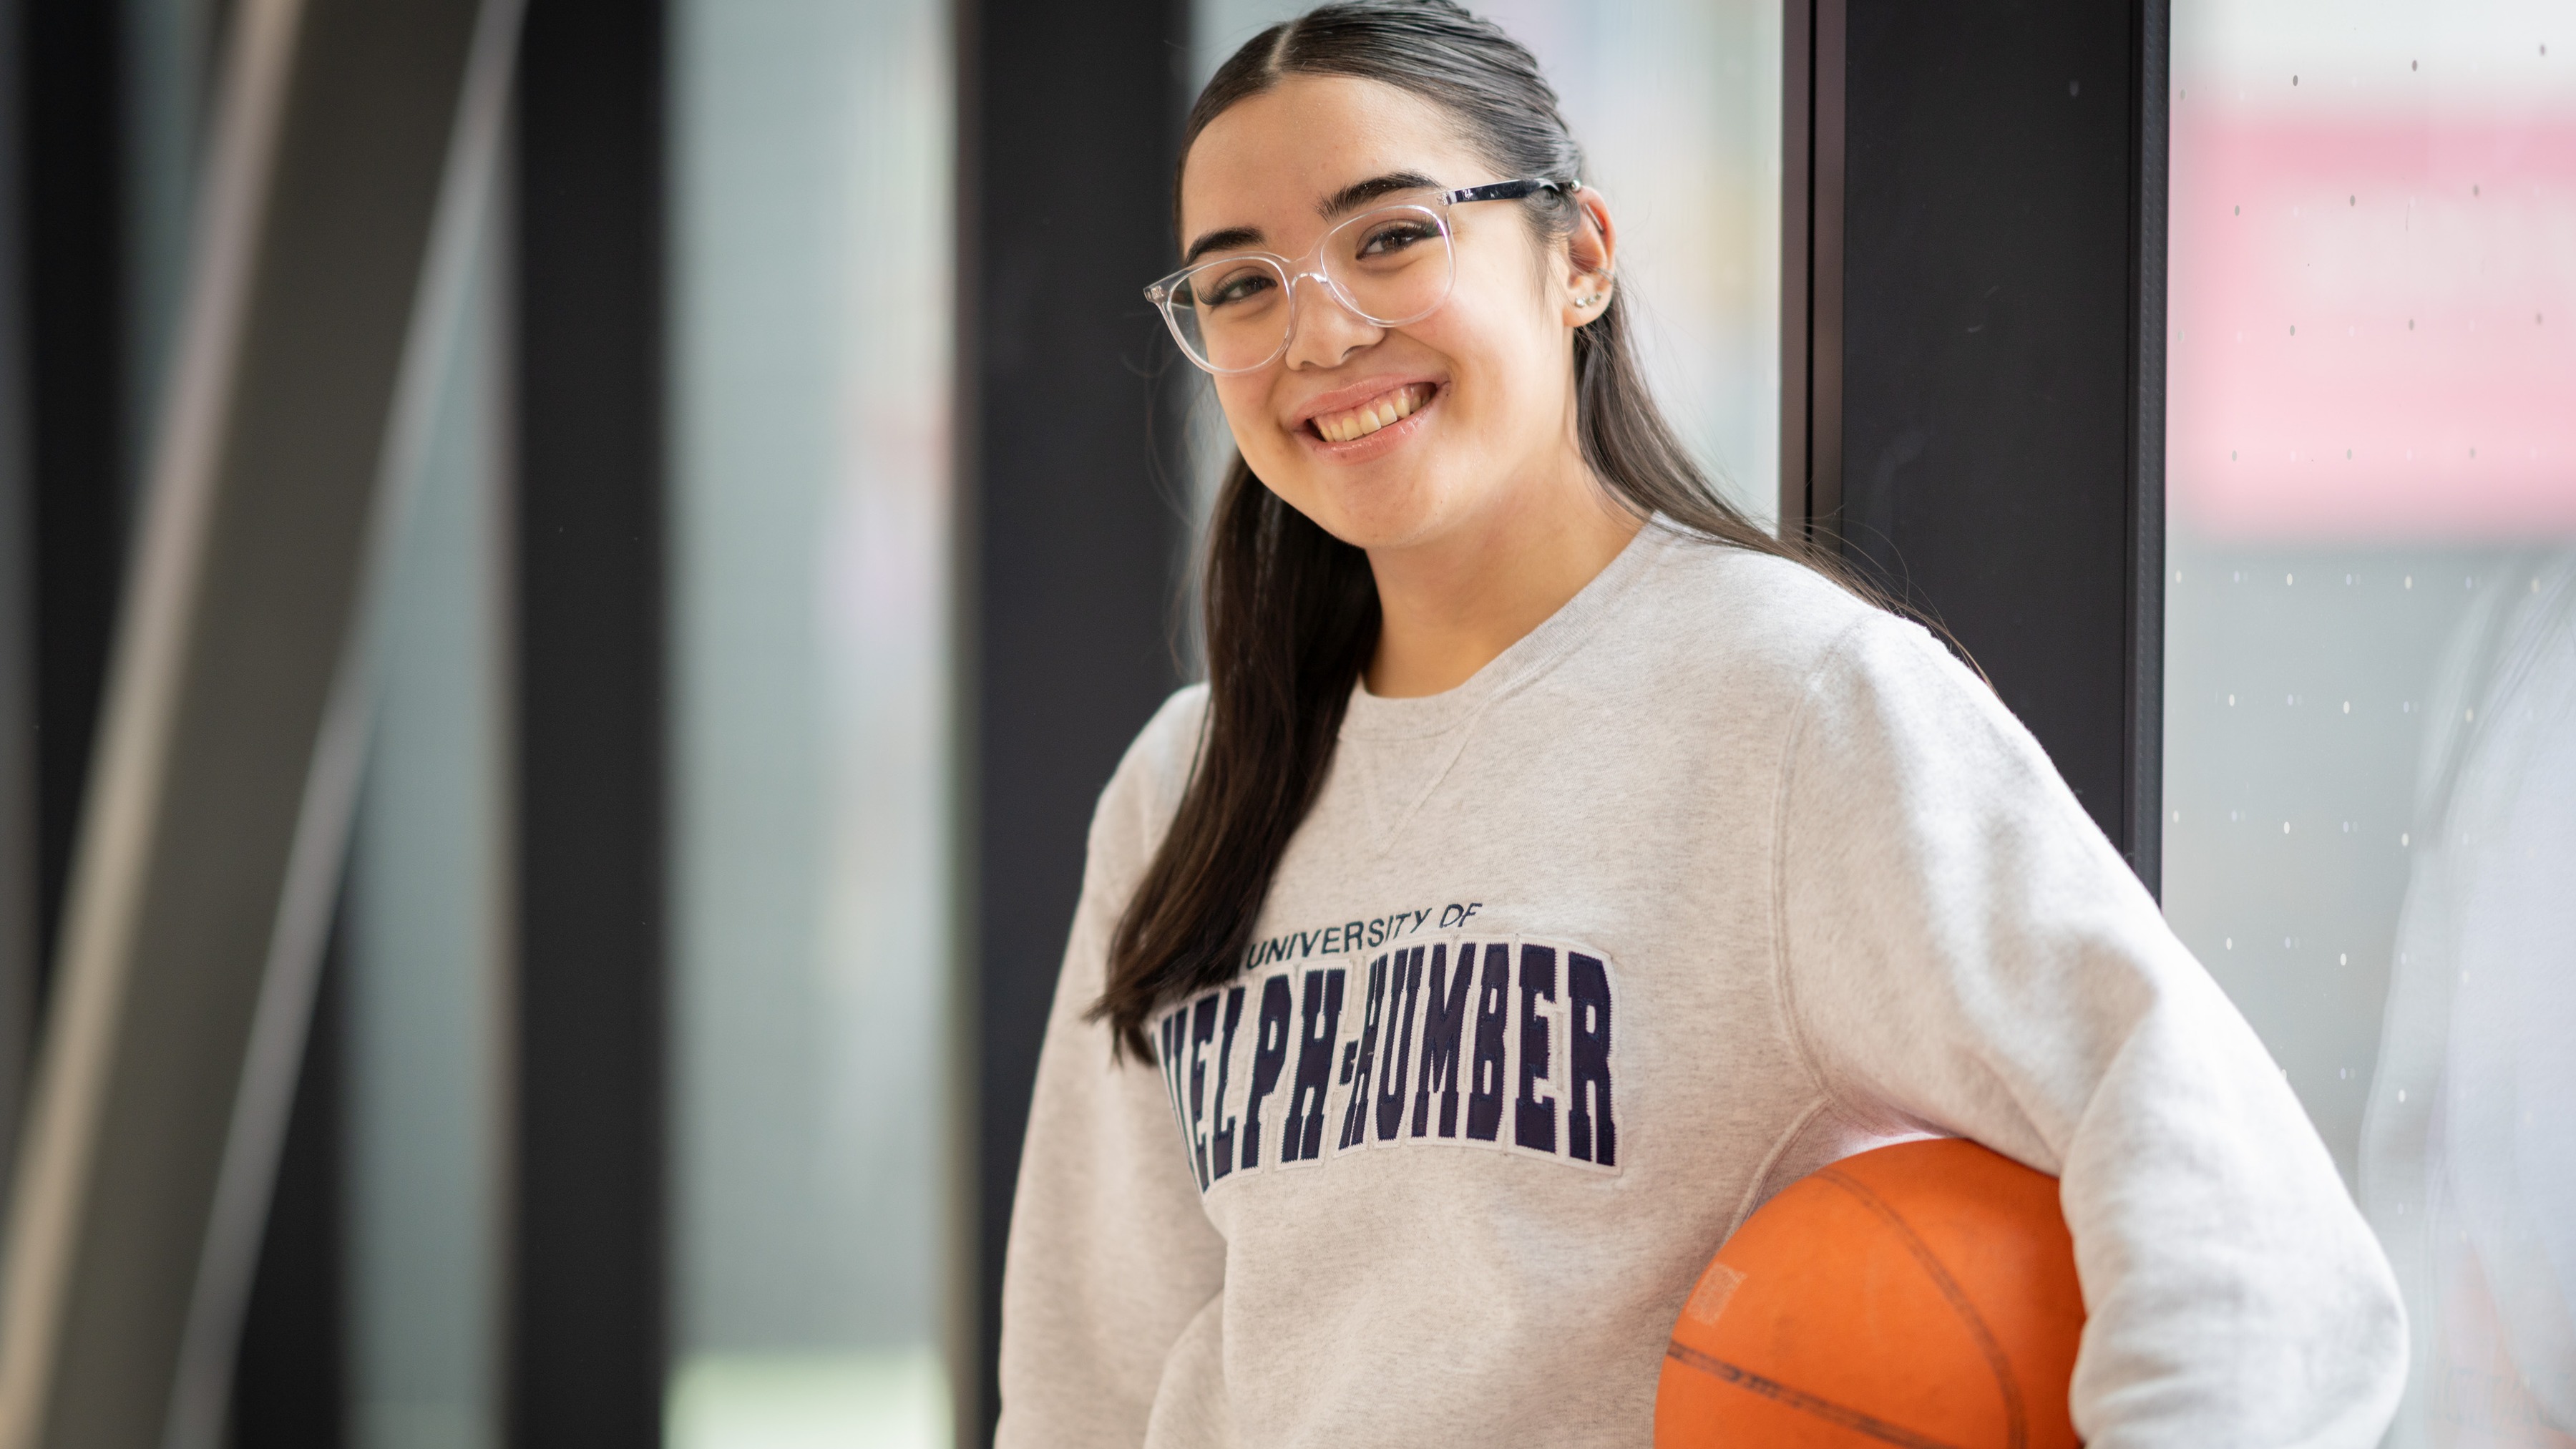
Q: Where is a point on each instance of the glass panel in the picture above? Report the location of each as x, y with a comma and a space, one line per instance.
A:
810, 870
427, 931
2371, 635
1677, 104
424, 932
424, 929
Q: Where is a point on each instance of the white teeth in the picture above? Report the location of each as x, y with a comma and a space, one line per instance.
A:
1361, 421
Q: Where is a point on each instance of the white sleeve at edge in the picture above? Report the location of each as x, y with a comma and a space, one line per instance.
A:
1110, 1255
1965, 952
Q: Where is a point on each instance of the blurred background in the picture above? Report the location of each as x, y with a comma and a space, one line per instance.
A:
2370, 668
778, 520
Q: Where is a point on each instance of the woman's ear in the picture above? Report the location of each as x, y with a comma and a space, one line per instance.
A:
1592, 255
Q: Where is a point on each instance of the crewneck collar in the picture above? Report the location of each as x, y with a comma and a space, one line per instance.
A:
1371, 717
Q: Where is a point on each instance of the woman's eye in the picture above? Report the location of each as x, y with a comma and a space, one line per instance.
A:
1395, 237
1235, 287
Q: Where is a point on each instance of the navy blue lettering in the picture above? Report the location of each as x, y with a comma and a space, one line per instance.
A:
1221, 1157
1442, 1021
1395, 1061
1592, 1133
1202, 1033
1269, 1054
1533, 1116
1355, 1115
1493, 1017
1535, 1071
1319, 1031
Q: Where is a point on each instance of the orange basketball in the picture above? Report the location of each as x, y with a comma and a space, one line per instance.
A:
1922, 1294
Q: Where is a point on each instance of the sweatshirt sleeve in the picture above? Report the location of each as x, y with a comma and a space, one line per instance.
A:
1110, 1255
1964, 953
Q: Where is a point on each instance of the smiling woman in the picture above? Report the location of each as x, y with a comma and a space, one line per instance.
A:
1527, 453
1554, 865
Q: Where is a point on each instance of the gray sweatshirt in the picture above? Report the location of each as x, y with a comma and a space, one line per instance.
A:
1717, 876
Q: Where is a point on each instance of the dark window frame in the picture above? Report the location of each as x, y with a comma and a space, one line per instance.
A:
1947, 178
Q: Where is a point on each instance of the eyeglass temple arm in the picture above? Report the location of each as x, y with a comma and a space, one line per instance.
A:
1509, 191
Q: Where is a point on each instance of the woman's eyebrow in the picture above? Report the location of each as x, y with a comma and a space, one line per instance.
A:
1360, 193
1232, 236
1349, 199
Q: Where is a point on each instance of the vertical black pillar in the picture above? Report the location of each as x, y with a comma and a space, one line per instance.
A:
1068, 119
71, 207
588, 1321
1984, 396
21, 922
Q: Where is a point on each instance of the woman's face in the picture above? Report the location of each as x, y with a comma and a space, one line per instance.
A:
1484, 384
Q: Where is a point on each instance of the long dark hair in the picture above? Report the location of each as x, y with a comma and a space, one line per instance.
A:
1291, 612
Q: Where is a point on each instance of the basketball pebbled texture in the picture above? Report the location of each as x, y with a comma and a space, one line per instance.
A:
1921, 1295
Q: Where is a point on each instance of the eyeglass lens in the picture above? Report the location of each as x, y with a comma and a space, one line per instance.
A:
1389, 266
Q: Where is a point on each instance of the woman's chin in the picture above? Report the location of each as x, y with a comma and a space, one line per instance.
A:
1385, 511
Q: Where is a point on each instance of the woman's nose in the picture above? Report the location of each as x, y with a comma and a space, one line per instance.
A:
1322, 331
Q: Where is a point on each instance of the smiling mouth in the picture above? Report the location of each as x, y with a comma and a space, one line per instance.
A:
1380, 412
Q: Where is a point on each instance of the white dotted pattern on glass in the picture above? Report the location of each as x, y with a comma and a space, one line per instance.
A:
2370, 714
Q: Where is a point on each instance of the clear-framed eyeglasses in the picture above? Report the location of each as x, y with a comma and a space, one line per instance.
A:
1388, 266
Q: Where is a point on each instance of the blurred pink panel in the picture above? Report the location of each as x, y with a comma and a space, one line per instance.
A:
2373, 326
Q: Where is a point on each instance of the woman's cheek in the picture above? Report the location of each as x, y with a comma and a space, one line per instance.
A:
1256, 436
1272, 457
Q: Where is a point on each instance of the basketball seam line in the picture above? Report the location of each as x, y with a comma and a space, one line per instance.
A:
2016, 1421
1800, 1399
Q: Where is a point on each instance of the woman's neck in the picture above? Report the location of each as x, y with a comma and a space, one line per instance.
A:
1447, 607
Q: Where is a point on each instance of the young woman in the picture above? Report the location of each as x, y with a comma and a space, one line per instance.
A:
1554, 866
